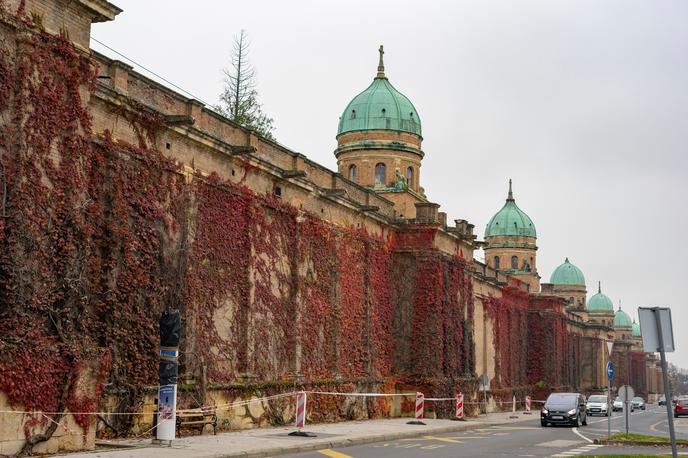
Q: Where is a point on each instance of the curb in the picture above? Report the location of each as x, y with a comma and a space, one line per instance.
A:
297, 448
639, 443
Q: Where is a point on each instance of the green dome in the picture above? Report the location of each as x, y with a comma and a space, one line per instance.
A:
636, 329
568, 274
510, 221
380, 107
600, 302
621, 318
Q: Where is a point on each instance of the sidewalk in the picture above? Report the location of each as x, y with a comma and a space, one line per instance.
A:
275, 441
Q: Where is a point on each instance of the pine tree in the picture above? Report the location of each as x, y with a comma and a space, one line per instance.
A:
239, 99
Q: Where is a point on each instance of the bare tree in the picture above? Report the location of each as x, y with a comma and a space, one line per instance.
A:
239, 99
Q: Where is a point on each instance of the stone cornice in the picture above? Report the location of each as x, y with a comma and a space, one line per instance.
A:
102, 10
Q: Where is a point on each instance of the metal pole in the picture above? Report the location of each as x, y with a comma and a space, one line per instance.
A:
626, 407
667, 387
485, 398
610, 404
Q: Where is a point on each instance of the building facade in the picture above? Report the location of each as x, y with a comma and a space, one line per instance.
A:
123, 197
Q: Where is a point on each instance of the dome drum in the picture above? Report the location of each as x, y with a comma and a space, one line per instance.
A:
376, 141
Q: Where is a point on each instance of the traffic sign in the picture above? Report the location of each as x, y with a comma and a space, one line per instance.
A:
626, 393
610, 370
648, 328
484, 382
610, 344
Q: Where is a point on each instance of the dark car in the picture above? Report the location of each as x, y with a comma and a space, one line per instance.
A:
662, 401
564, 409
681, 407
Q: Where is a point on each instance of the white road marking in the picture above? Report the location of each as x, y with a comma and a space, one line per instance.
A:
653, 426
620, 417
578, 451
575, 431
558, 443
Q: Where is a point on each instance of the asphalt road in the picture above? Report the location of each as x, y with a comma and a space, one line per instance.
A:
523, 439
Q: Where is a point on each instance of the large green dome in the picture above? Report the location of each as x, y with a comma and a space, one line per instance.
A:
600, 302
380, 107
510, 221
621, 318
568, 274
636, 329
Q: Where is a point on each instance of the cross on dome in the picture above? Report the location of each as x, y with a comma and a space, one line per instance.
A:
381, 64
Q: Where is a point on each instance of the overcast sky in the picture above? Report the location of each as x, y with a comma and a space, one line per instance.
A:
583, 103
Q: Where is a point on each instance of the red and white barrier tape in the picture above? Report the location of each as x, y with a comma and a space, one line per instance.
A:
335, 393
232, 405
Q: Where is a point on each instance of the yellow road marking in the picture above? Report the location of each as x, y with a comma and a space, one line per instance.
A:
333, 454
433, 446
513, 427
469, 437
442, 439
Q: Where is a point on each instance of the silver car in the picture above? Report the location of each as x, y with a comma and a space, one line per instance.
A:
638, 403
619, 405
597, 405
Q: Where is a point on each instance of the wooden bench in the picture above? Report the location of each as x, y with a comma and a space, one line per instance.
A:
197, 417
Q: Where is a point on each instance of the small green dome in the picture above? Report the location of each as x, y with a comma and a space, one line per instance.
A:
636, 329
380, 107
600, 302
568, 274
510, 221
621, 318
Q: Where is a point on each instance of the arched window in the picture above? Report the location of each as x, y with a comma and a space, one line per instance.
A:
514, 262
409, 176
353, 173
380, 173
496, 262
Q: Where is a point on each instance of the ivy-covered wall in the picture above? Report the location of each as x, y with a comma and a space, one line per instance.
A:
98, 235
99, 232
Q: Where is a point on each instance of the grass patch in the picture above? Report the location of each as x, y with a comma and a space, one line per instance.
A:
624, 456
641, 437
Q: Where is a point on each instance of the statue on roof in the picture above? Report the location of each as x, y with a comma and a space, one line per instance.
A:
400, 181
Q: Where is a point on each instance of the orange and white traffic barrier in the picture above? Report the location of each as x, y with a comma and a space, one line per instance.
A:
459, 408
420, 405
301, 416
527, 411
300, 409
513, 408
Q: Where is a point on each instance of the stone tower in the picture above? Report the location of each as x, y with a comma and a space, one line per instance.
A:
510, 243
379, 143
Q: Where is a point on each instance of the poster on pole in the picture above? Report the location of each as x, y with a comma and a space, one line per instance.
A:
648, 328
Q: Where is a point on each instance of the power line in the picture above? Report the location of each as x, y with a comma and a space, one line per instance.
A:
153, 73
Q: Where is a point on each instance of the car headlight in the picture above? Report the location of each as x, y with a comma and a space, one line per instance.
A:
545, 411
572, 412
